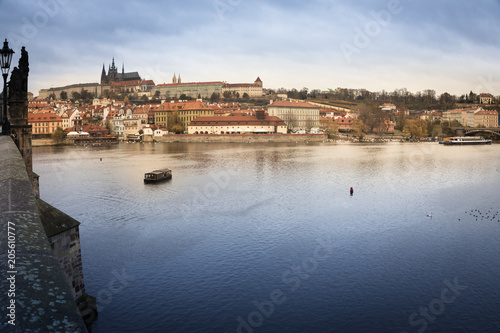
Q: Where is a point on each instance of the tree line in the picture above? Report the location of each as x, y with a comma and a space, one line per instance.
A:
421, 100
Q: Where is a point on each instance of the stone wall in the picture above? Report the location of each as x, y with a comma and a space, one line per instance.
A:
243, 138
34, 293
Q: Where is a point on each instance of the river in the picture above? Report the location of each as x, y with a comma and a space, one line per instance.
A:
267, 238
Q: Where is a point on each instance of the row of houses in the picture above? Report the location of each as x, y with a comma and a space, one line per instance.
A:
472, 117
193, 116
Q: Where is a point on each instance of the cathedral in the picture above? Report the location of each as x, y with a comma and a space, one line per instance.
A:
113, 75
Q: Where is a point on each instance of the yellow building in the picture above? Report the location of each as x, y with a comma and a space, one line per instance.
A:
486, 119
182, 112
44, 123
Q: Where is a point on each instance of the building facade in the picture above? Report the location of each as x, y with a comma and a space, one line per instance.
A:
191, 89
452, 115
44, 123
297, 115
238, 123
486, 98
182, 113
486, 119
240, 89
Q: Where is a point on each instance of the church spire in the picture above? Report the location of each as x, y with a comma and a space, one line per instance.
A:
103, 74
123, 68
113, 67
179, 78
174, 79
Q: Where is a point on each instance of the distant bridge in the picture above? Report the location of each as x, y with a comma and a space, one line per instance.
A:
471, 131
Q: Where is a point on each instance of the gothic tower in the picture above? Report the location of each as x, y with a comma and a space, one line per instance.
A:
104, 77
112, 72
174, 79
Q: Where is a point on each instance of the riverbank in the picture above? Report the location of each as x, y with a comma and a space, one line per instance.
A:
242, 138
245, 138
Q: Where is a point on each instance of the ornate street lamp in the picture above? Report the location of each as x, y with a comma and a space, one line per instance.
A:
5, 59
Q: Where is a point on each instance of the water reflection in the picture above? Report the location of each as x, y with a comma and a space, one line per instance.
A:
236, 217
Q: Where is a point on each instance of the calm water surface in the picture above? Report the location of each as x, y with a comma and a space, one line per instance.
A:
266, 238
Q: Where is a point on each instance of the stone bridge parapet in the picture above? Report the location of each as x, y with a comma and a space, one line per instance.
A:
34, 294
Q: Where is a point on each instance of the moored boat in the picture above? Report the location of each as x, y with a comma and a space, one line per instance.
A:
157, 176
465, 140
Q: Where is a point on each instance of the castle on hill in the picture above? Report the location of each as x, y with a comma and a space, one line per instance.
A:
113, 76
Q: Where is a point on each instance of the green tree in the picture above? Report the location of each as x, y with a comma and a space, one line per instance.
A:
401, 120
372, 116
358, 128
330, 127
215, 97
63, 95
58, 135
75, 95
177, 128
417, 128
156, 95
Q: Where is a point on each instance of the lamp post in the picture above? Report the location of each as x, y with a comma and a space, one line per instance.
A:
5, 59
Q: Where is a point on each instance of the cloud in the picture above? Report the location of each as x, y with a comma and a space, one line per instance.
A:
288, 43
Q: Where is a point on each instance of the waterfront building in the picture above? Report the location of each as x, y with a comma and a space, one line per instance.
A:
182, 112
92, 130
455, 114
240, 122
344, 123
297, 115
44, 123
131, 126
486, 119
69, 116
468, 117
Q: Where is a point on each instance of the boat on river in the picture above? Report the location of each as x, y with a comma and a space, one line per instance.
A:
465, 140
157, 176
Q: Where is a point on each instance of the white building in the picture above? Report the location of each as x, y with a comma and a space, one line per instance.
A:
297, 115
238, 123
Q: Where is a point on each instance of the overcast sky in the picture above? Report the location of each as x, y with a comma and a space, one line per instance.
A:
445, 45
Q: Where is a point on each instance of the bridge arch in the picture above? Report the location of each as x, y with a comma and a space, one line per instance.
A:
475, 131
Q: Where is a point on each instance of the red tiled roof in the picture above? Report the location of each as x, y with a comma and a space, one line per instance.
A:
43, 117
189, 105
487, 113
238, 120
296, 104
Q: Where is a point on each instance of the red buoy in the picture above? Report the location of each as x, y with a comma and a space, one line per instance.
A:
352, 191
